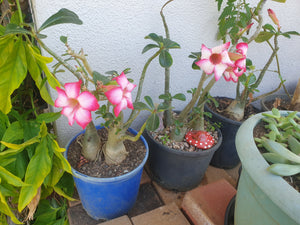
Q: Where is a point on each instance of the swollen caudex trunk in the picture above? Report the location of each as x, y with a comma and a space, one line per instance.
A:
114, 150
235, 110
91, 144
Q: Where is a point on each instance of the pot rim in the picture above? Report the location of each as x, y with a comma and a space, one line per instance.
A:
108, 179
275, 187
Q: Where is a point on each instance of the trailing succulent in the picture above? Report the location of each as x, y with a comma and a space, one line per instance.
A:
282, 142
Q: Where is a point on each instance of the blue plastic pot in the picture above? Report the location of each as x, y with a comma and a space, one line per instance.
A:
108, 198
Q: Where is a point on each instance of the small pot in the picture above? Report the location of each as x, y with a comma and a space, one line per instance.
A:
178, 170
108, 198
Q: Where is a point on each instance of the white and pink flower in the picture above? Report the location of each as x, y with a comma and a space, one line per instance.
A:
215, 60
120, 96
234, 72
76, 106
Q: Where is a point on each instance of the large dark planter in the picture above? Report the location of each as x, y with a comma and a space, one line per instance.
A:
262, 197
226, 157
108, 198
178, 170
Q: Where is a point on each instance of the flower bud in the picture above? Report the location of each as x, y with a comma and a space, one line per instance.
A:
272, 15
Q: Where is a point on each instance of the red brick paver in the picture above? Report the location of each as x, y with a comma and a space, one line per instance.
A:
207, 204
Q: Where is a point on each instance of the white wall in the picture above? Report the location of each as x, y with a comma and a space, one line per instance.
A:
113, 34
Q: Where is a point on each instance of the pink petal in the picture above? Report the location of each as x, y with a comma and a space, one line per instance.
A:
62, 99
242, 48
88, 101
130, 87
122, 80
69, 112
114, 95
122, 105
83, 117
226, 59
219, 70
206, 66
227, 76
220, 48
128, 98
205, 52
73, 89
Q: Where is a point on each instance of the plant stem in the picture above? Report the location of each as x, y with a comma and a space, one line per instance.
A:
194, 99
59, 59
168, 112
20, 13
141, 81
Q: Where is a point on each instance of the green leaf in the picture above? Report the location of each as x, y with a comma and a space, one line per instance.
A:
294, 144
48, 117
284, 169
10, 178
280, 1
180, 97
42, 61
169, 44
149, 101
154, 37
63, 39
274, 158
4, 208
263, 36
152, 122
148, 47
13, 133
99, 77
2, 30
12, 73
39, 162
275, 147
165, 59
15, 29
269, 27
36, 73
140, 106
62, 16
166, 97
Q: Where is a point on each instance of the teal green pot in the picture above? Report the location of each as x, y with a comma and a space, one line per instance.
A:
262, 198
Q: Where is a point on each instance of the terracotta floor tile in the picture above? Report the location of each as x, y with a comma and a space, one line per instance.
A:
213, 174
165, 215
123, 220
169, 196
207, 204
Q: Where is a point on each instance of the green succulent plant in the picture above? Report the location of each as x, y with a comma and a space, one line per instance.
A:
282, 142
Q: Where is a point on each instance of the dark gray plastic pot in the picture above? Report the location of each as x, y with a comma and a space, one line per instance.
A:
271, 98
178, 170
226, 157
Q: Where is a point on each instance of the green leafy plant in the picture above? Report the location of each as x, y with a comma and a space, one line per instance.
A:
282, 142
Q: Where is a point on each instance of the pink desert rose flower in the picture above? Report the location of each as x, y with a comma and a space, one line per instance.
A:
120, 96
76, 106
234, 72
215, 60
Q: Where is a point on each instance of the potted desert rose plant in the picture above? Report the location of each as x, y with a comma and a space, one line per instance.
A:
107, 160
235, 23
103, 196
181, 150
270, 192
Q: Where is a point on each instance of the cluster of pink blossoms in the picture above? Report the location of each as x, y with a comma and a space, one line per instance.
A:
78, 106
219, 61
